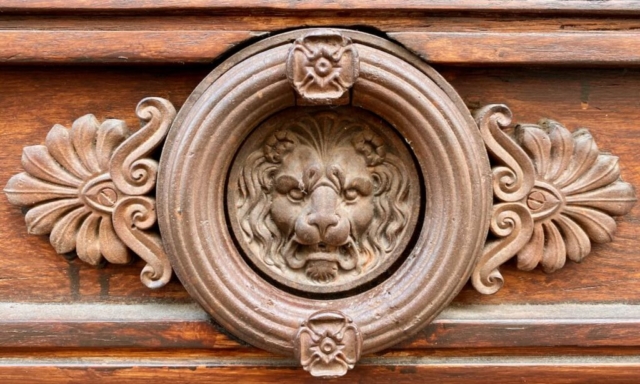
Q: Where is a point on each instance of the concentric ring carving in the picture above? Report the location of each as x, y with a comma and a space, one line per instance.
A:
246, 90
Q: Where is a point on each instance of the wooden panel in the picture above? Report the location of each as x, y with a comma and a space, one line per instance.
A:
531, 48
34, 98
203, 46
547, 6
117, 46
172, 326
196, 369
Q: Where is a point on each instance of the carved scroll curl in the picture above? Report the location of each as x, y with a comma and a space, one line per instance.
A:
555, 191
136, 215
132, 171
512, 225
513, 178
87, 187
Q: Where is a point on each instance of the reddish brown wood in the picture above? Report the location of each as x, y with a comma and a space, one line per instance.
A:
524, 47
117, 46
131, 369
203, 46
175, 326
596, 99
33, 98
547, 6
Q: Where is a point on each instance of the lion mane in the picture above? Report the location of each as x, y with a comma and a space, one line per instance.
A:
324, 131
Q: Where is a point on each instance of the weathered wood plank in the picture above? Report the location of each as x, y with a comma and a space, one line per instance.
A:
490, 369
203, 46
188, 326
585, 48
546, 6
117, 46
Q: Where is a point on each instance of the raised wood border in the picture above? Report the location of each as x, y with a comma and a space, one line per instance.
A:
545, 6
612, 48
179, 326
494, 369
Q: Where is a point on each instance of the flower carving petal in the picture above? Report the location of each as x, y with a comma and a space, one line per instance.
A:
72, 186
328, 344
322, 66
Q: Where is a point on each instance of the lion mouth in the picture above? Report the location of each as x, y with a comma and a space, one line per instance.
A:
321, 260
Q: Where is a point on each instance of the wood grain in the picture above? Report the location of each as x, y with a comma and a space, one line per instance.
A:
546, 6
180, 326
586, 48
34, 98
203, 46
502, 369
117, 46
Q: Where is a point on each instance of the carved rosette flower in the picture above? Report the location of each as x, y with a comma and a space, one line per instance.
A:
328, 344
576, 192
322, 66
87, 187
67, 181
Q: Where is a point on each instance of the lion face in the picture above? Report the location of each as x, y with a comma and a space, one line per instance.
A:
325, 204
321, 201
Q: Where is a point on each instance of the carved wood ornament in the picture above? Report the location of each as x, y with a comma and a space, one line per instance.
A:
322, 194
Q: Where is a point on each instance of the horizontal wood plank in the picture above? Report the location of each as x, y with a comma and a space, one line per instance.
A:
203, 46
546, 6
503, 369
187, 326
117, 46
584, 48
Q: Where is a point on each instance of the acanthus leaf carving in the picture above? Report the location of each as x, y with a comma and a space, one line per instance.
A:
80, 186
569, 189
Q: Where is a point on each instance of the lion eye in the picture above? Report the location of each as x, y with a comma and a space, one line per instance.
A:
351, 194
296, 194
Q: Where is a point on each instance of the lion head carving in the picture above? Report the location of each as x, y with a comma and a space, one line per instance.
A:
324, 196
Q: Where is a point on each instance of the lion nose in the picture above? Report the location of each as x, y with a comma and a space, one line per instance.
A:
323, 221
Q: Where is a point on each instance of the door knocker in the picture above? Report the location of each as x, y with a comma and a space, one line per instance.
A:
322, 194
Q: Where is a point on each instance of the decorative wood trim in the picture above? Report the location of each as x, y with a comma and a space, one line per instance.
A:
91, 188
554, 193
117, 46
587, 48
498, 369
179, 326
203, 46
546, 6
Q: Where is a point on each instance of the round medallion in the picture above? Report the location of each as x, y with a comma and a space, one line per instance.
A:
323, 200
324, 191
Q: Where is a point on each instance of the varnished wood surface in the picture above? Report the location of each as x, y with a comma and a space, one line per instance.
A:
455, 40
117, 46
179, 326
586, 48
546, 6
35, 98
528, 349
134, 368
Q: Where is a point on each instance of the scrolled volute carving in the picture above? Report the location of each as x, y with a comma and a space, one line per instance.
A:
567, 194
87, 186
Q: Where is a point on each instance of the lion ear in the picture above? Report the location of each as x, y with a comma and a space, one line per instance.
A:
278, 145
371, 146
